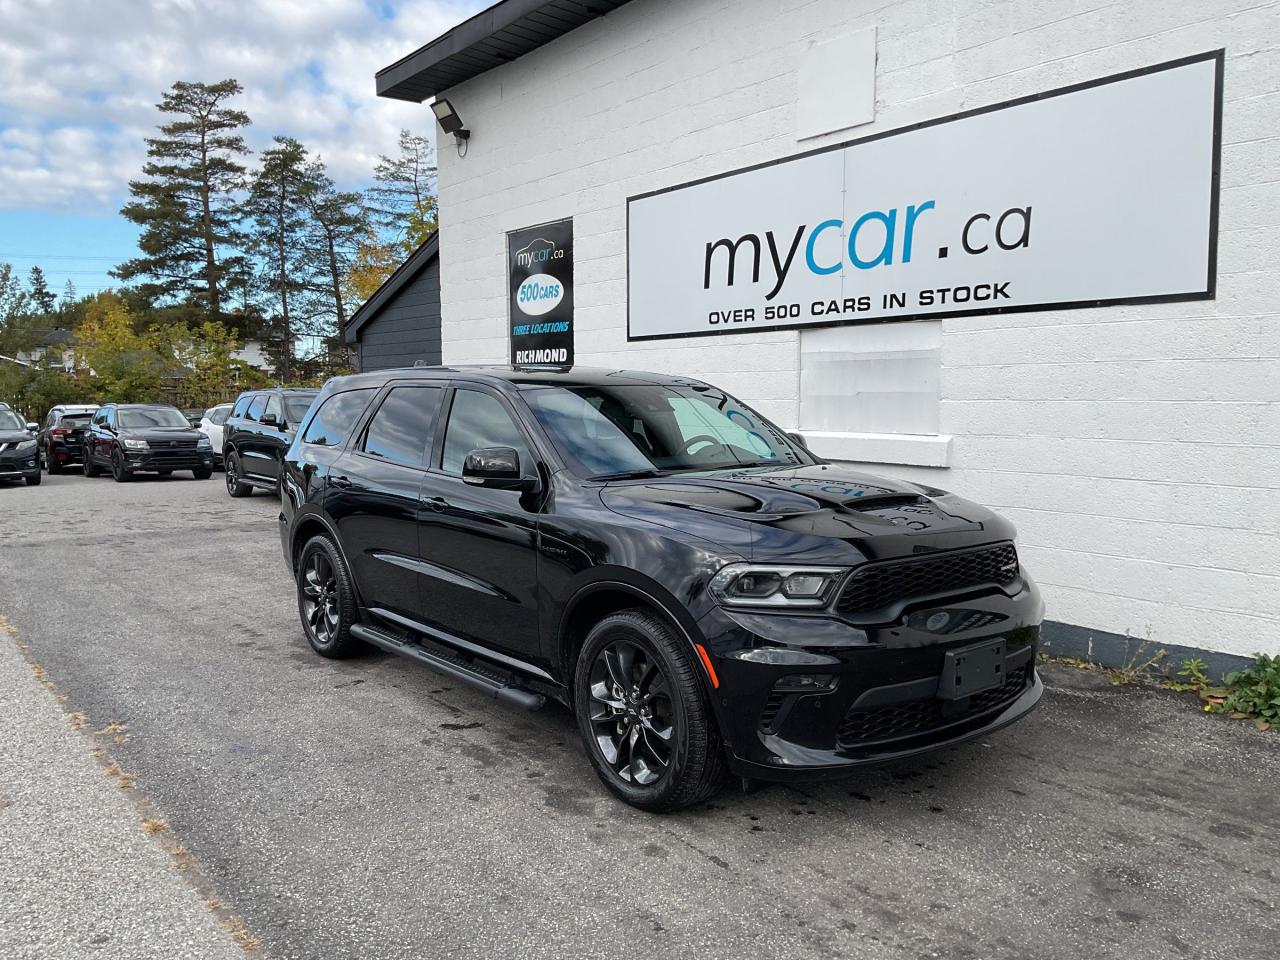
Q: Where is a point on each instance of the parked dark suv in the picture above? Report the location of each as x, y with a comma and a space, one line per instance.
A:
256, 435
61, 438
131, 438
19, 452
702, 591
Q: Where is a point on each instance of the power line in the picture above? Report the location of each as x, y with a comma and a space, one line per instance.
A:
54, 256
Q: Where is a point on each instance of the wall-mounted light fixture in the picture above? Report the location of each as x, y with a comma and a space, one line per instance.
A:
449, 121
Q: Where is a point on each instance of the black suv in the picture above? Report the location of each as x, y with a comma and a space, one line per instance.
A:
131, 438
61, 438
19, 451
256, 435
702, 591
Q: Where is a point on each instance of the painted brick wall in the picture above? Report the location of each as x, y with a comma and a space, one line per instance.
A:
1137, 448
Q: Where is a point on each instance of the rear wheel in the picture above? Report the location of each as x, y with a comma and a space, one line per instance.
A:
235, 486
326, 599
55, 467
643, 712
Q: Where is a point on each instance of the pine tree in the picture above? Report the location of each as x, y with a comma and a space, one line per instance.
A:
402, 200
185, 205
337, 223
42, 298
278, 209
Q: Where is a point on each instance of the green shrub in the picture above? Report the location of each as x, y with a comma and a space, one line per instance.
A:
1252, 693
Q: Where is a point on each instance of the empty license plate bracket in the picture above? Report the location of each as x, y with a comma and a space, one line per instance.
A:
973, 669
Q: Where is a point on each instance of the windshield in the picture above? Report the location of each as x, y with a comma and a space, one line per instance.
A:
11, 421
295, 408
658, 429
143, 417
74, 420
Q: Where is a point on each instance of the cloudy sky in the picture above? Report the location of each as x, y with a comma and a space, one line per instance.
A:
79, 80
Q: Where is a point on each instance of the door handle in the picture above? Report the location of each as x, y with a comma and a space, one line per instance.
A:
342, 483
435, 503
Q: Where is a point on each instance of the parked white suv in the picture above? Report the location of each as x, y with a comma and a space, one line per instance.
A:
211, 426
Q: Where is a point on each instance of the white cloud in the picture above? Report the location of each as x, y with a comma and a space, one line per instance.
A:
79, 80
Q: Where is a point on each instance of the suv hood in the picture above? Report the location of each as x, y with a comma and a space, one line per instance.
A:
13, 436
824, 513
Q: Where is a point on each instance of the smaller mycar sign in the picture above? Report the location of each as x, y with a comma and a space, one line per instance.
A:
540, 285
1098, 194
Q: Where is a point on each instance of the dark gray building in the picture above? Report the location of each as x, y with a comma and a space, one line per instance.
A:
400, 323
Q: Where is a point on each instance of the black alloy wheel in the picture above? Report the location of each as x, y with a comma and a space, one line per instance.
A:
643, 710
632, 716
120, 470
231, 476
326, 599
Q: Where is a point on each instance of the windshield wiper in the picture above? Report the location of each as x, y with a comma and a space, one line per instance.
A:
631, 474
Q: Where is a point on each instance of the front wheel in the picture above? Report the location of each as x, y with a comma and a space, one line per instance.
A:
202, 473
643, 712
90, 468
326, 599
33, 479
121, 472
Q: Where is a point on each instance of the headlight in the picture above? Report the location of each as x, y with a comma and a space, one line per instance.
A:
204, 444
135, 444
25, 446
770, 585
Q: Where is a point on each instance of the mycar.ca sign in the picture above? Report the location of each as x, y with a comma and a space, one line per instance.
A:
1102, 193
540, 282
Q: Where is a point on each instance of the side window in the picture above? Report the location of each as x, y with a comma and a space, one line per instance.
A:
242, 404
275, 407
336, 416
257, 406
100, 418
110, 418
479, 420
401, 430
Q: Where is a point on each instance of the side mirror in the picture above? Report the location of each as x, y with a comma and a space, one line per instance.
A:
497, 468
32, 427
269, 420
798, 439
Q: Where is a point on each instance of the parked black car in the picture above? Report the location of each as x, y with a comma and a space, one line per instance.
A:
702, 591
256, 435
61, 438
19, 451
130, 438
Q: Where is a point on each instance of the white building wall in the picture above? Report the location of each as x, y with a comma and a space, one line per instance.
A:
1136, 447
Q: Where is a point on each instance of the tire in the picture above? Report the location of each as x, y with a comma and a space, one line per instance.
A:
326, 599
231, 475
120, 471
89, 467
673, 697
33, 479
54, 466
203, 473
164, 473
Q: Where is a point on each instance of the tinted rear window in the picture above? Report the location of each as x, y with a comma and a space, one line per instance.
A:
336, 416
296, 407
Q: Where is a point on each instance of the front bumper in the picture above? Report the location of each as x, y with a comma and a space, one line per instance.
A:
876, 689
162, 458
18, 466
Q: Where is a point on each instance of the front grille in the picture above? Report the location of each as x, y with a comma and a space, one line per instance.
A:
879, 585
898, 720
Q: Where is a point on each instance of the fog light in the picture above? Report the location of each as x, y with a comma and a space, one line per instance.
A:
806, 683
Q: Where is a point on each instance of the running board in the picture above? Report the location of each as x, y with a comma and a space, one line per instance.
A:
492, 682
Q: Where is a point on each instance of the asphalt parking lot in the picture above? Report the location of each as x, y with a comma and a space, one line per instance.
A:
372, 809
